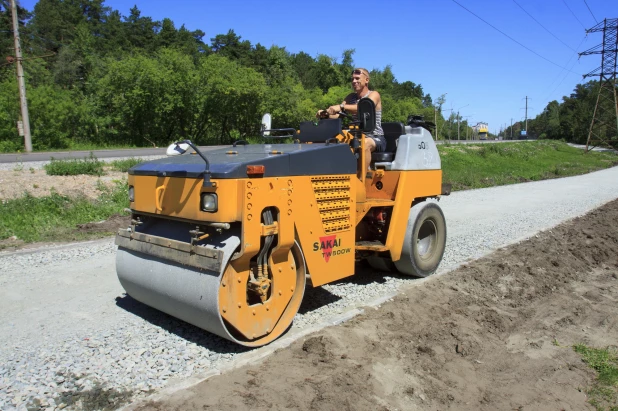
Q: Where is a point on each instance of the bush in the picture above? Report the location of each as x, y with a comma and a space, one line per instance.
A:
72, 167
124, 165
9, 146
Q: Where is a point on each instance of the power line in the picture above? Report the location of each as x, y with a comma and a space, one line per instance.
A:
559, 83
27, 32
595, 19
565, 76
543, 26
567, 6
511, 38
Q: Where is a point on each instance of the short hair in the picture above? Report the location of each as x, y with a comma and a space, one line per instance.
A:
364, 71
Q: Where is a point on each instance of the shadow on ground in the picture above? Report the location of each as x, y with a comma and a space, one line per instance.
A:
178, 327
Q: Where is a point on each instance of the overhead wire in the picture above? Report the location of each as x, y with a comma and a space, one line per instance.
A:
565, 76
567, 6
26, 33
556, 37
509, 37
29, 33
595, 19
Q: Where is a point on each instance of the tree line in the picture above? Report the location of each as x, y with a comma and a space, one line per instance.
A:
98, 78
569, 119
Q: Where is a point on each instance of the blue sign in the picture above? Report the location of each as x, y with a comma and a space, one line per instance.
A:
523, 132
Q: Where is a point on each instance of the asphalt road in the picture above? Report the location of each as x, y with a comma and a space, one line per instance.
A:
47, 155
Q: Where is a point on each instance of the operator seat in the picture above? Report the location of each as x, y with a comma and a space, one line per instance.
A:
392, 131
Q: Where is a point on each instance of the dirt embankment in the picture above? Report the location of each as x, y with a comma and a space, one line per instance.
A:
493, 335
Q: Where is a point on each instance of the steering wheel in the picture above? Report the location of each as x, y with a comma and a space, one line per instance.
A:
324, 114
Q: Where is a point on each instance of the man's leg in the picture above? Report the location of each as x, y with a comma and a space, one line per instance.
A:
370, 147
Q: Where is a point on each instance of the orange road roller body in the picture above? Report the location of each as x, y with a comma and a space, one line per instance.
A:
228, 242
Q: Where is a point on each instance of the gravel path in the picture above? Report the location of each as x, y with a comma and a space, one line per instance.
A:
70, 338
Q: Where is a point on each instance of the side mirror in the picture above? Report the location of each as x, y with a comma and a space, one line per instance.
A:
175, 149
366, 114
266, 124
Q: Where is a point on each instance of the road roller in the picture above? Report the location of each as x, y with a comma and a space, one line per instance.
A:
228, 239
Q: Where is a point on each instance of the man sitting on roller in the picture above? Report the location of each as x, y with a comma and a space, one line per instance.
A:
375, 140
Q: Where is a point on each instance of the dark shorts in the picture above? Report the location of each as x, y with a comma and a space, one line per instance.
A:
380, 143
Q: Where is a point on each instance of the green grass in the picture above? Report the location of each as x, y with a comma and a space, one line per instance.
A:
90, 165
604, 393
124, 165
486, 165
72, 167
92, 146
54, 218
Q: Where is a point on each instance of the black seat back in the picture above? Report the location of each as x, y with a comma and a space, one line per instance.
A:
323, 131
392, 131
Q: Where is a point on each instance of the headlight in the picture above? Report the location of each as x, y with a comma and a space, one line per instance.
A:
131, 194
209, 202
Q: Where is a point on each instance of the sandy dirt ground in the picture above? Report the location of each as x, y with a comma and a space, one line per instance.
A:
16, 182
496, 334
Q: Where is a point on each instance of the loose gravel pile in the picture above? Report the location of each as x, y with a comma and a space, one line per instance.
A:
133, 350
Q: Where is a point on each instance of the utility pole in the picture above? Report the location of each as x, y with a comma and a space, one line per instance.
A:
458, 119
458, 126
439, 101
526, 116
602, 128
25, 118
435, 121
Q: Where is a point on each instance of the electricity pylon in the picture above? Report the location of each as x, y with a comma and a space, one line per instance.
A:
604, 125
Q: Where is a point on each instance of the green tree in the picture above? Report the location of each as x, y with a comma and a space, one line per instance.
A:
151, 99
303, 65
9, 115
53, 117
230, 45
229, 100
141, 31
115, 34
325, 73
383, 81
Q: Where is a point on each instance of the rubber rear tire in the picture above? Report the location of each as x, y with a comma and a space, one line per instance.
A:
424, 241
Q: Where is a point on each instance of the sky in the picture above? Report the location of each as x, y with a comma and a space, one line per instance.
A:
486, 68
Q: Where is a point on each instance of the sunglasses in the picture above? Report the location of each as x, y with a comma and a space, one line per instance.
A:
357, 71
